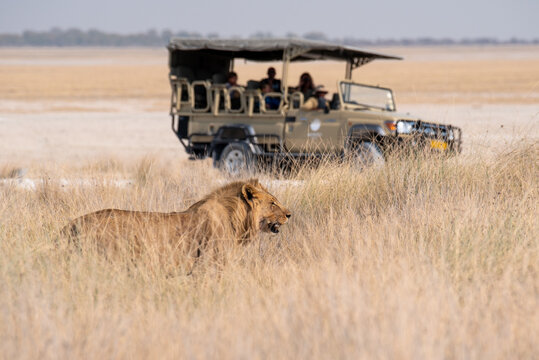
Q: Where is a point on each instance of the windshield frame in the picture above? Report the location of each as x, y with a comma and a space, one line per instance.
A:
364, 105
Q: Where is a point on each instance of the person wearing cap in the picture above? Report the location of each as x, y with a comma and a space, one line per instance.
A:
317, 101
274, 83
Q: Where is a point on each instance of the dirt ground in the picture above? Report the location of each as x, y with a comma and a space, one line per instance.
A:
63, 105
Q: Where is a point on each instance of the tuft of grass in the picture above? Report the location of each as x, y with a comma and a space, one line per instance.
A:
10, 171
105, 165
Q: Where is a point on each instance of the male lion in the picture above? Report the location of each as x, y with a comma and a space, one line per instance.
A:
234, 213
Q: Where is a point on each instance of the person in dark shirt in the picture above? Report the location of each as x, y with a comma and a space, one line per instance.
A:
274, 83
306, 85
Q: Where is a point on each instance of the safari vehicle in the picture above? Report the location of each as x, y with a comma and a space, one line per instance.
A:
361, 120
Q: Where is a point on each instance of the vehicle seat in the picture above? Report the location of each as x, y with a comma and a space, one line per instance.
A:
335, 103
200, 94
185, 72
253, 85
218, 78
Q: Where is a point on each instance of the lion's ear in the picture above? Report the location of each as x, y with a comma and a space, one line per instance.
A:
248, 192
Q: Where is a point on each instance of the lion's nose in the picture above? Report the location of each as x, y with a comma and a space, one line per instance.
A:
288, 215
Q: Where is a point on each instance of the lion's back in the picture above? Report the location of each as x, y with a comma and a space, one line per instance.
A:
110, 228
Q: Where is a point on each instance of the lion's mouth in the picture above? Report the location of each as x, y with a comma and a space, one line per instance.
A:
274, 228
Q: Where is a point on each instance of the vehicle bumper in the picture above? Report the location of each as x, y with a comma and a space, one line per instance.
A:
429, 136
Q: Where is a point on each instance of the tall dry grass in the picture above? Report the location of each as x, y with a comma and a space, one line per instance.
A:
422, 258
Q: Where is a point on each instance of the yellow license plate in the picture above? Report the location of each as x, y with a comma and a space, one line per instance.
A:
436, 144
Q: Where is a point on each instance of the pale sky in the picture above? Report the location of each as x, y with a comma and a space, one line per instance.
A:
371, 19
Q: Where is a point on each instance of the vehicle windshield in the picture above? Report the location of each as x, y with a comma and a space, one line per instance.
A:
367, 96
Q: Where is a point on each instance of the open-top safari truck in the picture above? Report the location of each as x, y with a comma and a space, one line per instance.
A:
237, 132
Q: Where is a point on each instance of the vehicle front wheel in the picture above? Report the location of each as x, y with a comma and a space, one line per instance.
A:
236, 158
367, 153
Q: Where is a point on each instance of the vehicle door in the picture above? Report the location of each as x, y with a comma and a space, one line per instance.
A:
296, 132
323, 131
313, 131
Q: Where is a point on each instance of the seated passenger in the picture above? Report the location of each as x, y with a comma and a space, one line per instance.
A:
274, 83
272, 102
306, 85
317, 101
232, 80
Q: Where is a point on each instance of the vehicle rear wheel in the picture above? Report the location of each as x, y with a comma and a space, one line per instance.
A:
367, 153
236, 158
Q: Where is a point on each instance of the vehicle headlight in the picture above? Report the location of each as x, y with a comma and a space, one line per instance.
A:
404, 127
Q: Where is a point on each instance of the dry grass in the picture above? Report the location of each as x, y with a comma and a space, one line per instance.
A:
423, 258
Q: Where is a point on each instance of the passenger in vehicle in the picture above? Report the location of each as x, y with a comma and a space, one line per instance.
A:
306, 85
318, 101
274, 83
232, 80
272, 102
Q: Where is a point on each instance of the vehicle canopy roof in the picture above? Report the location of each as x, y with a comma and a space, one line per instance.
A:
273, 49
202, 59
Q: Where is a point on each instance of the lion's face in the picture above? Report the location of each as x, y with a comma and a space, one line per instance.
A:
269, 213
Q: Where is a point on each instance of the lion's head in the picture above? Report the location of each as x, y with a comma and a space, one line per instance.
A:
268, 212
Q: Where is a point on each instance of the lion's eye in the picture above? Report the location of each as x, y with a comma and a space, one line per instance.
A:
273, 203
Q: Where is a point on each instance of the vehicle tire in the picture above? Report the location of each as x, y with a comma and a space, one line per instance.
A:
236, 159
366, 154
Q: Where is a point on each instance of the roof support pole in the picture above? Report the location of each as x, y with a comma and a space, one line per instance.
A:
289, 53
348, 73
354, 63
284, 77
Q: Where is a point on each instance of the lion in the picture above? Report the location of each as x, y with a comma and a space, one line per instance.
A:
234, 213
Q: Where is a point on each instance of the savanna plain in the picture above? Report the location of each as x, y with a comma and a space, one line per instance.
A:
426, 257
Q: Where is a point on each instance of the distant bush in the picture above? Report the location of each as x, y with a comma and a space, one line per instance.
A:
93, 37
